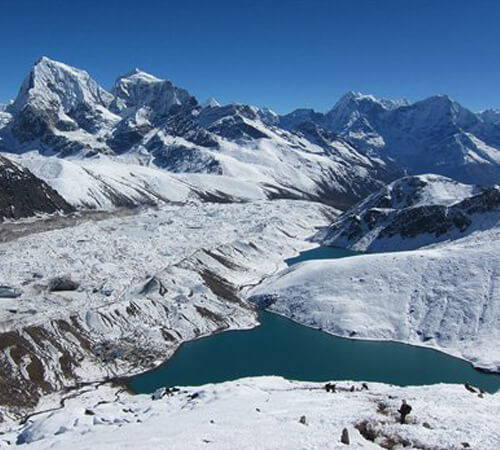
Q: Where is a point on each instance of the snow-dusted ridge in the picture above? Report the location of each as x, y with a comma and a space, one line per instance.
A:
415, 211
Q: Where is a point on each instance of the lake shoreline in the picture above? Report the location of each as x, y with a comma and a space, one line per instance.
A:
473, 376
315, 253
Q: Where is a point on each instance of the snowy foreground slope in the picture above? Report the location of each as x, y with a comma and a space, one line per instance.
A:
265, 413
134, 288
446, 296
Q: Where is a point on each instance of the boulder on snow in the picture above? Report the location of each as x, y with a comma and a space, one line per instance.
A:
62, 284
470, 388
9, 292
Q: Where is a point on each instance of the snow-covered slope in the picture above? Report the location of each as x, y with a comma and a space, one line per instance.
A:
23, 195
446, 296
102, 183
435, 135
415, 211
143, 284
269, 413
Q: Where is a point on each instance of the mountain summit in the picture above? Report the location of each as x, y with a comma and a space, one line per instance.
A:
139, 89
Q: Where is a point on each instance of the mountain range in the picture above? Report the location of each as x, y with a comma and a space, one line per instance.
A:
62, 116
435, 135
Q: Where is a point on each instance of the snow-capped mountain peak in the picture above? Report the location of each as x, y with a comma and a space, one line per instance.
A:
360, 98
139, 89
59, 109
435, 135
137, 73
51, 83
490, 116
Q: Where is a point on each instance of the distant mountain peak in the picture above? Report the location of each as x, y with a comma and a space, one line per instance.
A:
54, 101
439, 99
45, 60
210, 102
138, 89
45, 65
490, 116
357, 97
137, 74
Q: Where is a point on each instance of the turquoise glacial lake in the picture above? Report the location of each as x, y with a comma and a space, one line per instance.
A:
279, 346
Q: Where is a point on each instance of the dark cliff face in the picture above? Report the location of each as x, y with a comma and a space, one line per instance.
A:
24, 195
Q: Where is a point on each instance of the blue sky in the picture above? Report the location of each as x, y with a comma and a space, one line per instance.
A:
283, 54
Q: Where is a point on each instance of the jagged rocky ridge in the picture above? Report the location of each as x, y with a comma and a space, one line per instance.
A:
415, 211
24, 195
